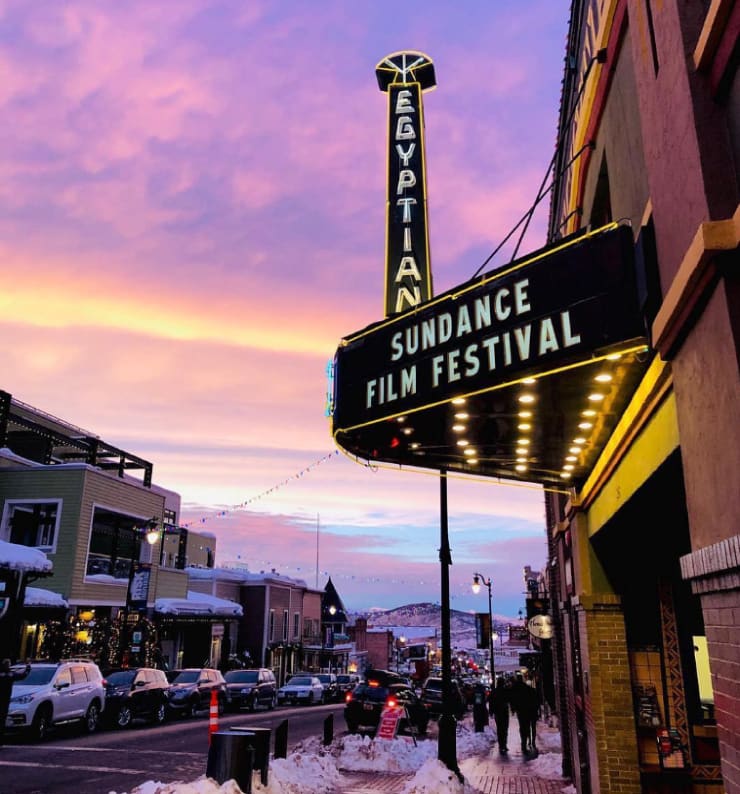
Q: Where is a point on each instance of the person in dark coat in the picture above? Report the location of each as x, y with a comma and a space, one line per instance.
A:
525, 704
7, 676
499, 705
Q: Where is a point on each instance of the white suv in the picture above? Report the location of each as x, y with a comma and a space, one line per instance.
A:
55, 692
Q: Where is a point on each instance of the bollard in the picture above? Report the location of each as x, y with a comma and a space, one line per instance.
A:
328, 730
281, 740
213, 715
259, 740
232, 756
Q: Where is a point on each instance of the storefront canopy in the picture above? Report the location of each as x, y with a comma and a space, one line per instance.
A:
198, 604
521, 373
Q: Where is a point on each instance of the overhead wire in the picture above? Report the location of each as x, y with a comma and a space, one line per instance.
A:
599, 57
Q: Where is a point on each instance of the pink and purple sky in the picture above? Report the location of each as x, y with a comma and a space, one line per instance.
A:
192, 216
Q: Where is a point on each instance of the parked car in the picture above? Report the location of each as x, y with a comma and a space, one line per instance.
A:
190, 690
250, 688
431, 697
138, 692
331, 689
305, 689
51, 693
366, 702
346, 682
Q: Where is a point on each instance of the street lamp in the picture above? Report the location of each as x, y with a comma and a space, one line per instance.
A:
479, 579
400, 642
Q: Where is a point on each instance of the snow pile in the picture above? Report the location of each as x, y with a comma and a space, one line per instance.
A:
300, 773
202, 785
363, 754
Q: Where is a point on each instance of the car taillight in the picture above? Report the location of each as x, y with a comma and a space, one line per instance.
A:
348, 697
104, 683
391, 703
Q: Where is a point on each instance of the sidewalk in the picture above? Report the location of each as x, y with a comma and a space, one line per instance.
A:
488, 774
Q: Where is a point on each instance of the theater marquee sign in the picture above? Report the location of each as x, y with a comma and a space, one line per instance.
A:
408, 278
555, 317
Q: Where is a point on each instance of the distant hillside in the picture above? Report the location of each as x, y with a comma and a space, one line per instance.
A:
423, 614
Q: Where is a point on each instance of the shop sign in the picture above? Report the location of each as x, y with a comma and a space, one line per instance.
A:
138, 586
540, 626
388, 725
554, 309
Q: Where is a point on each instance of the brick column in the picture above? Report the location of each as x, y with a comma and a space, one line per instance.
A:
714, 573
610, 721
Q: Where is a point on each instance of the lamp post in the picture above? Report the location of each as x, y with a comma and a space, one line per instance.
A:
479, 579
332, 610
400, 642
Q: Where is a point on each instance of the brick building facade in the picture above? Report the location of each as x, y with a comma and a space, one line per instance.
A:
644, 550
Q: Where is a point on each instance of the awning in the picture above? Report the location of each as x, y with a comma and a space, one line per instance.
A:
198, 604
23, 558
39, 597
521, 374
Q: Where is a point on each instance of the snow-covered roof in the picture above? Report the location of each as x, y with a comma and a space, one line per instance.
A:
219, 574
23, 558
38, 597
198, 604
7, 454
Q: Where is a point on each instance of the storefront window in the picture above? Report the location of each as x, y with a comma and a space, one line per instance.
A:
114, 544
31, 523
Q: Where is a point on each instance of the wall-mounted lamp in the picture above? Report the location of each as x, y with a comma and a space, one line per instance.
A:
152, 531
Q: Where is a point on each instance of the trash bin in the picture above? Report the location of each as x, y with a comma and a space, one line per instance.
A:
259, 740
231, 755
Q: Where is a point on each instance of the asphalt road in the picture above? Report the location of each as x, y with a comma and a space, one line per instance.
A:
70, 762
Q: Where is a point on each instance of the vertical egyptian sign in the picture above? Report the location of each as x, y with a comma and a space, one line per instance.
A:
408, 276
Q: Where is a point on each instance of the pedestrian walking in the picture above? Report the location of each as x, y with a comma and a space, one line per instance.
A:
7, 676
526, 705
499, 706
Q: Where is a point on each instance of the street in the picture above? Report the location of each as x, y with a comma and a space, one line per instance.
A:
70, 762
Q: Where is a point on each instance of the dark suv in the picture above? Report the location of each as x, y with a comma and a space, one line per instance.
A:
250, 688
431, 697
136, 692
380, 690
190, 690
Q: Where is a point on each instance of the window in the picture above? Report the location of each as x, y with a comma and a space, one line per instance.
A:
285, 625
272, 625
63, 677
115, 541
32, 523
296, 625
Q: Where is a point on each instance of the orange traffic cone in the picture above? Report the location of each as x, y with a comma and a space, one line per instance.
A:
213, 715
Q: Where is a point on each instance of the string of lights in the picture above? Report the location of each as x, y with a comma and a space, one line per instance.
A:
308, 572
256, 498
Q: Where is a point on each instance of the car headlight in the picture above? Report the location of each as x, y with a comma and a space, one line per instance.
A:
22, 699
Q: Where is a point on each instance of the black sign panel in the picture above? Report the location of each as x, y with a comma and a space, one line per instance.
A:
138, 585
482, 630
550, 310
408, 278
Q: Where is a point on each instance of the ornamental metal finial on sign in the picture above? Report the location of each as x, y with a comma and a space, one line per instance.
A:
406, 67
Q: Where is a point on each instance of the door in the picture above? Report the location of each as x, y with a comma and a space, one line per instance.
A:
81, 690
63, 696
